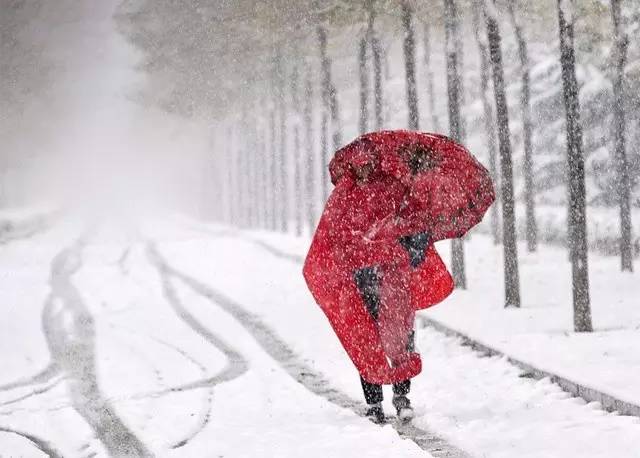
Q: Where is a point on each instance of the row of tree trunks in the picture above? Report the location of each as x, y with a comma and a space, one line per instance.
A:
246, 157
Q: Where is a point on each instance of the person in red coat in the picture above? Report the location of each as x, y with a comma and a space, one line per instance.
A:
372, 263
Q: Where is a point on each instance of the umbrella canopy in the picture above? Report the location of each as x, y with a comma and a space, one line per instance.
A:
448, 190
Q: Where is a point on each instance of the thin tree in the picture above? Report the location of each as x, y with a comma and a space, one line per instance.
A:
623, 182
364, 85
298, 191
251, 169
273, 191
455, 121
282, 193
240, 174
458, 43
435, 123
329, 92
575, 163
488, 118
511, 275
324, 155
410, 65
264, 176
378, 87
531, 231
309, 169
329, 108
376, 54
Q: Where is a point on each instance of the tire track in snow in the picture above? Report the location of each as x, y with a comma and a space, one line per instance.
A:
137, 355
37, 442
44, 376
34, 392
280, 351
47, 376
236, 366
205, 413
70, 332
41, 224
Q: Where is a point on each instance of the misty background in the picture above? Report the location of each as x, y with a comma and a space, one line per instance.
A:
148, 101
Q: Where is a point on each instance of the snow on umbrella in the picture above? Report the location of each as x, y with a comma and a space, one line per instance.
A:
449, 191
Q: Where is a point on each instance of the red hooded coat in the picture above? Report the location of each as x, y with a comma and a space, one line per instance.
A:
361, 226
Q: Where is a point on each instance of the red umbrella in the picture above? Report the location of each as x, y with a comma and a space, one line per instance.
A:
449, 191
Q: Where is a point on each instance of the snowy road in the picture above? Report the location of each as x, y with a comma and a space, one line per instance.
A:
178, 339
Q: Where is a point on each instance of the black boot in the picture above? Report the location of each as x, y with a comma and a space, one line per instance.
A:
403, 407
375, 413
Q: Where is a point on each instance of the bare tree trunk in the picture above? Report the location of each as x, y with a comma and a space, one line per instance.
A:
228, 176
577, 191
460, 71
298, 191
248, 151
378, 89
455, 122
282, 160
364, 85
329, 94
435, 123
488, 119
273, 192
239, 175
297, 206
410, 65
263, 167
531, 231
283, 191
324, 151
623, 184
309, 169
376, 54
511, 275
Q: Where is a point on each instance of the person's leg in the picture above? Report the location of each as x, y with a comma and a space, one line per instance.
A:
402, 388
401, 401
372, 392
396, 323
396, 315
368, 284
373, 396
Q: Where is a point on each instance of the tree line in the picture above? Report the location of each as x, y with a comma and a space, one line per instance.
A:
281, 114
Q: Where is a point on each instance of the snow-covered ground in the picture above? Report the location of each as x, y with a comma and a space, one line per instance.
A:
541, 332
175, 374
178, 317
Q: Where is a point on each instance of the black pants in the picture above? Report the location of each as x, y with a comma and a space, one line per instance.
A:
368, 284
373, 392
